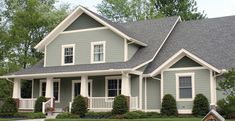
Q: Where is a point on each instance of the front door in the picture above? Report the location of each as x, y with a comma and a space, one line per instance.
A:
76, 88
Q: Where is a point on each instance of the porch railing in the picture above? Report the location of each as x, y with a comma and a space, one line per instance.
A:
27, 103
48, 104
106, 103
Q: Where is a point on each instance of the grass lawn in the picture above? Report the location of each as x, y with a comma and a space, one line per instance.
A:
155, 119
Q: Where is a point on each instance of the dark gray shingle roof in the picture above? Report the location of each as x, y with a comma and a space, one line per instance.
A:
151, 32
212, 40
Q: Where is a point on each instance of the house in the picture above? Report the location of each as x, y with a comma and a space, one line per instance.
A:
91, 56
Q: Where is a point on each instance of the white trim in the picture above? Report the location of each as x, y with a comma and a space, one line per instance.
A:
71, 18
181, 54
139, 66
54, 80
185, 111
145, 94
125, 50
153, 110
106, 82
62, 54
79, 81
140, 91
62, 74
212, 89
32, 88
162, 79
185, 68
45, 57
84, 30
177, 75
92, 51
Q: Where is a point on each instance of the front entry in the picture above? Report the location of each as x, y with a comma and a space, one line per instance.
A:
76, 88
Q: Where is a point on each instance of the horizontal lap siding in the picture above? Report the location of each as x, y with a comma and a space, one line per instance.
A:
98, 89
202, 85
153, 94
82, 41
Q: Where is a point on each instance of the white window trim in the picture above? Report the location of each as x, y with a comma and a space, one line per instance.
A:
177, 86
106, 83
79, 81
62, 54
92, 51
54, 80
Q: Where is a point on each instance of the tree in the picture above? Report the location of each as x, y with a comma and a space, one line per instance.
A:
133, 10
23, 24
227, 85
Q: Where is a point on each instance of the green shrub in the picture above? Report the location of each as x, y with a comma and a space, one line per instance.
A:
227, 106
120, 105
38, 104
98, 115
30, 115
152, 115
200, 105
9, 106
67, 116
79, 106
169, 106
132, 115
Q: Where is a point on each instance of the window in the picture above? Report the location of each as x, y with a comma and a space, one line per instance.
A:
56, 89
68, 52
185, 86
113, 86
76, 88
98, 52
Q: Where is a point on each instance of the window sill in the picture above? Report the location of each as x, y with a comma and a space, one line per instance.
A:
186, 99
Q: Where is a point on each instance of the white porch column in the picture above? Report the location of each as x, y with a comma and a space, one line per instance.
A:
84, 86
126, 88
16, 89
49, 87
212, 89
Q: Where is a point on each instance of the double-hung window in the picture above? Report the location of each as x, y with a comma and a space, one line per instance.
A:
113, 86
98, 52
68, 52
185, 86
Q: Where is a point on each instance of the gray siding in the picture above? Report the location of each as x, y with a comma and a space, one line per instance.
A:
83, 22
98, 89
134, 85
153, 94
36, 85
82, 41
202, 85
185, 62
132, 48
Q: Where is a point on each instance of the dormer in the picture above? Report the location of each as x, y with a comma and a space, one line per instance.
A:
87, 38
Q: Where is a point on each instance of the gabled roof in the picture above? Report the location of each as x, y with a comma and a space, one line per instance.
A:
212, 40
152, 32
73, 16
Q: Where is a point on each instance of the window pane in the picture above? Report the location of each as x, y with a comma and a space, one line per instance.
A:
56, 90
186, 93
43, 88
185, 87
112, 93
68, 55
68, 59
98, 53
77, 87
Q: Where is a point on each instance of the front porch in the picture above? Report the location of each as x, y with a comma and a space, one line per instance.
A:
99, 89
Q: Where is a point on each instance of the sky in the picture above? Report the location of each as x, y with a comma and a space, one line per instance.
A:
213, 8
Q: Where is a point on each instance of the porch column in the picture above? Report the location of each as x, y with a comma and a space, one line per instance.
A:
84, 86
49, 87
125, 88
16, 89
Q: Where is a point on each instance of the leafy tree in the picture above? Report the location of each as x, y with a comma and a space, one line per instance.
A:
228, 83
227, 106
133, 10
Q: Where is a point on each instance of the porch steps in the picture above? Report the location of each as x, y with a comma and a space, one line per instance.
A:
53, 116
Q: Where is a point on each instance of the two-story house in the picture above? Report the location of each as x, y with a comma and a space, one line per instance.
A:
91, 56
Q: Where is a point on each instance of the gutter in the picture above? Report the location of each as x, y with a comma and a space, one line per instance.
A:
9, 80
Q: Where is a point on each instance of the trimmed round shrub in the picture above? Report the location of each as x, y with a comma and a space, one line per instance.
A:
79, 106
9, 106
169, 106
38, 104
200, 105
120, 105
132, 115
